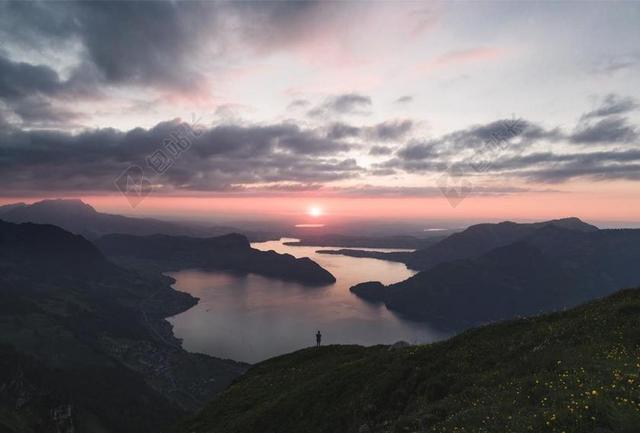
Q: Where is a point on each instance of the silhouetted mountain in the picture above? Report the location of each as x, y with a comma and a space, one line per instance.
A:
229, 252
574, 371
396, 256
83, 341
372, 291
11, 206
79, 217
481, 238
472, 242
550, 269
47, 248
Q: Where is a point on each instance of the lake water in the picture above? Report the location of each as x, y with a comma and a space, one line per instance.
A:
251, 318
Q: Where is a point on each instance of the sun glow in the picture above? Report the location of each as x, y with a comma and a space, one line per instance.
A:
315, 211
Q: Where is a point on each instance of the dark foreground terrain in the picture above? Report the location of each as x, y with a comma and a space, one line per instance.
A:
84, 346
574, 371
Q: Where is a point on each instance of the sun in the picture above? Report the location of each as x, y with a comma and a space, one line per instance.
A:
315, 211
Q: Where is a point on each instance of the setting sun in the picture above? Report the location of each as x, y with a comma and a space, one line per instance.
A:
315, 211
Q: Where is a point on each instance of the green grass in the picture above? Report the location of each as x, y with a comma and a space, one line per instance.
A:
575, 371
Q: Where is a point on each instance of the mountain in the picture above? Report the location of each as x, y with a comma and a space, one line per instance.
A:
80, 218
11, 206
229, 252
84, 345
471, 242
482, 238
48, 249
574, 371
396, 256
550, 269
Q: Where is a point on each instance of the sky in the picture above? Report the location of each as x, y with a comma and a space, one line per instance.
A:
379, 110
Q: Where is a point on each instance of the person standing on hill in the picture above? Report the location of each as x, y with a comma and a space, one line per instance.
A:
318, 338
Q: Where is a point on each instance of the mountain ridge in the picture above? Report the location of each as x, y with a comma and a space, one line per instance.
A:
550, 268
231, 252
473, 241
481, 238
78, 217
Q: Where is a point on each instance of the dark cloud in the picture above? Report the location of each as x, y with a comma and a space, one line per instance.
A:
421, 166
349, 103
552, 167
380, 150
339, 130
612, 104
390, 130
161, 45
127, 42
155, 43
496, 136
418, 150
37, 24
611, 129
217, 158
229, 111
298, 103
616, 63
511, 160
36, 110
539, 167
142, 42
252, 140
19, 80
422, 191
4, 125
271, 25
382, 172
30, 91
503, 130
595, 172
404, 99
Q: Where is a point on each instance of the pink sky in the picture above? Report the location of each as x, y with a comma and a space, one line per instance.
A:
593, 207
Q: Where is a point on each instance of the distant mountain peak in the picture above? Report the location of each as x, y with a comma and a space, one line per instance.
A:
78, 217
479, 239
9, 207
570, 219
63, 204
573, 223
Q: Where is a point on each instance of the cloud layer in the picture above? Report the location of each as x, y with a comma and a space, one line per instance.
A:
286, 156
313, 96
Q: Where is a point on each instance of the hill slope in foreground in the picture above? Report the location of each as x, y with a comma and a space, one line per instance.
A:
574, 371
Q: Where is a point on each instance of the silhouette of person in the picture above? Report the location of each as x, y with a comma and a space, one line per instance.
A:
318, 338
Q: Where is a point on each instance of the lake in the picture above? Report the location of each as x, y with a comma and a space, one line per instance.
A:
251, 318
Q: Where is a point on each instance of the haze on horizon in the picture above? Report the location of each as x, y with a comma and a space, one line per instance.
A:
364, 110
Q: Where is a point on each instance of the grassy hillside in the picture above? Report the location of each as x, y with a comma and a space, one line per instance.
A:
575, 371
